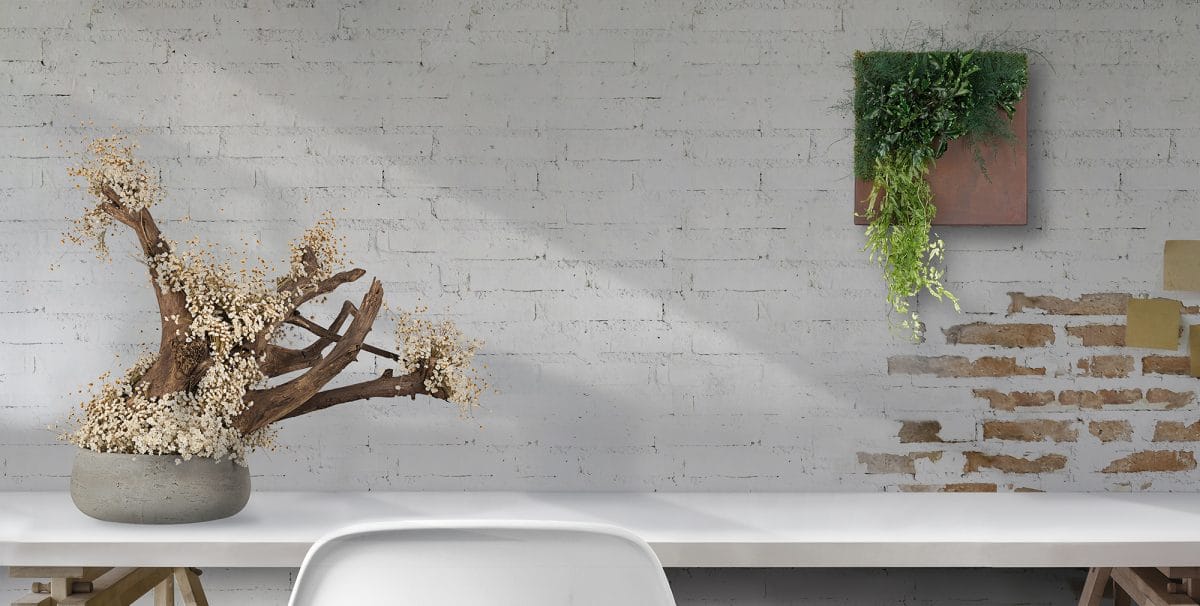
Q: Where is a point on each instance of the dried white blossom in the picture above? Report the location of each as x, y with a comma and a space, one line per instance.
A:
121, 418
442, 354
322, 246
109, 163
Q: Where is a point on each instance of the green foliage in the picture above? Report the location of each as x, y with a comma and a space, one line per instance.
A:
901, 210
917, 102
908, 106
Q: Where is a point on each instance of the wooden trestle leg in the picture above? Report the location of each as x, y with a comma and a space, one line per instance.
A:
1093, 588
94, 586
1147, 586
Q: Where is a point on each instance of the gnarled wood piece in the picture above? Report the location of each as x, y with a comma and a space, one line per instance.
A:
386, 386
282, 360
177, 359
303, 290
330, 335
274, 403
181, 364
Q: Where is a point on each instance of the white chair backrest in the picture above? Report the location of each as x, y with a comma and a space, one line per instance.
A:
482, 564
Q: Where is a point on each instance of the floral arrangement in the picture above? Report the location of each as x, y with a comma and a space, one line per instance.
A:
208, 390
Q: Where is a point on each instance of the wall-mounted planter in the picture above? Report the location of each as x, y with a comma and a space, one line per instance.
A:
941, 135
962, 194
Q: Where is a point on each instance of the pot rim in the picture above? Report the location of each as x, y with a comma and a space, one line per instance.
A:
96, 453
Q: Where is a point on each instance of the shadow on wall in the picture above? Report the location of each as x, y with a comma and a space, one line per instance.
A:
640, 276
653, 321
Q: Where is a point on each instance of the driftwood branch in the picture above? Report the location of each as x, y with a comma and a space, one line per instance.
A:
282, 360
274, 403
311, 290
178, 361
386, 386
331, 335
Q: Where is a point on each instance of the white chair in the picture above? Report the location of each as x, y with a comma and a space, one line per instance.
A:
482, 564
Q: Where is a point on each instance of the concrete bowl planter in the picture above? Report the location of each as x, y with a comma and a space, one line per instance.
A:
154, 489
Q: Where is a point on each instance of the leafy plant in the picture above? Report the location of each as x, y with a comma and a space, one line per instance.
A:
908, 107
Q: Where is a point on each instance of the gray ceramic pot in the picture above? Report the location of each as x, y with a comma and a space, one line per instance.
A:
153, 489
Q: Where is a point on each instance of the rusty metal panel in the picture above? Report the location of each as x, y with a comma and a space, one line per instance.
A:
962, 194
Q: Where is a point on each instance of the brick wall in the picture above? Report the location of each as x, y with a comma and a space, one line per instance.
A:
1062, 403
644, 208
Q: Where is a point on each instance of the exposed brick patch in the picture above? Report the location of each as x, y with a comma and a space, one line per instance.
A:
1014, 399
959, 366
1166, 365
1098, 398
1153, 460
958, 487
1102, 381
1002, 335
977, 461
883, 462
1096, 304
1175, 431
1099, 335
1111, 431
969, 487
1173, 399
920, 431
1107, 367
1033, 430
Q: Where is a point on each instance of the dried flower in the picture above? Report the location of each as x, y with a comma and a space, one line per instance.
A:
442, 354
108, 164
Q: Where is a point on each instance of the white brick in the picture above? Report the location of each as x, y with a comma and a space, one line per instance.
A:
630, 14
526, 276
460, 175
557, 307
585, 176
420, 15
617, 145
705, 178
112, 50
304, 172
749, 276
457, 145
20, 47
751, 146
524, 15
740, 20
454, 242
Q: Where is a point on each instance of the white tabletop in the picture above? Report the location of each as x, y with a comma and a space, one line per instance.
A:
685, 529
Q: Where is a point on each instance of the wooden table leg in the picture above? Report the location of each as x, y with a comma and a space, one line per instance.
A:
1120, 597
64, 582
1093, 587
60, 588
35, 599
1149, 587
189, 587
110, 586
164, 593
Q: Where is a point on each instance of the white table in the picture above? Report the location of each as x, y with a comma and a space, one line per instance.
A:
1099, 530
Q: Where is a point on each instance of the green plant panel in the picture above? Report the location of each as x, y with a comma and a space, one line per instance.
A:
917, 102
908, 107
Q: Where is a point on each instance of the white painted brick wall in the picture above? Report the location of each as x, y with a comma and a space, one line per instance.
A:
642, 206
